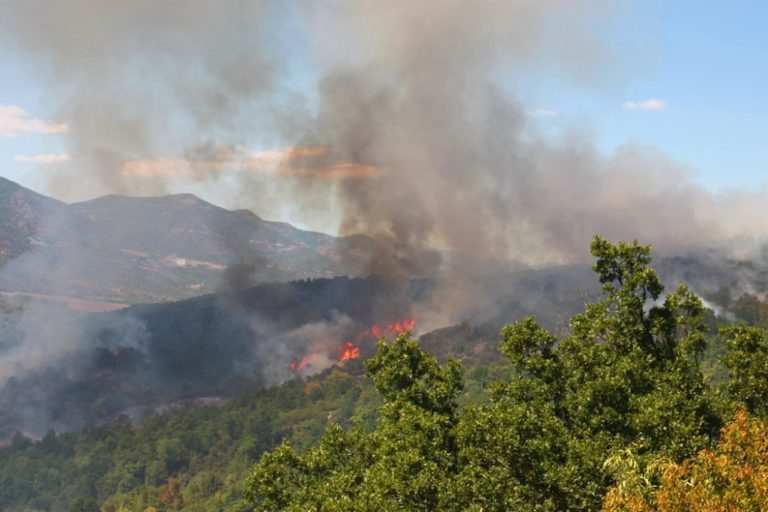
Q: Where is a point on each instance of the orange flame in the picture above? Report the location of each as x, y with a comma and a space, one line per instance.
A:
350, 350
401, 326
297, 366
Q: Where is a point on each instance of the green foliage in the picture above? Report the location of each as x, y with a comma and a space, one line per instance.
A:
747, 361
626, 378
624, 384
84, 505
401, 465
191, 461
403, 373
204, 453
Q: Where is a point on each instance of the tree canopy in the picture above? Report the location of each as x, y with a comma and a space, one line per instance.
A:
731, 478
627, 377
615, 413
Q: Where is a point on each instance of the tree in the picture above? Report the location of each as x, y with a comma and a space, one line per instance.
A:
403, 464
627, 377
84, 504
746, 358
732, 478
170, 495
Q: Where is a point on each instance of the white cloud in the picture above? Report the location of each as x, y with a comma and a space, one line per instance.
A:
542, 112
50, 158
15, 120
649, 104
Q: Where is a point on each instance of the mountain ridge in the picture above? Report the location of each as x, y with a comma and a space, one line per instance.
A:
124, 249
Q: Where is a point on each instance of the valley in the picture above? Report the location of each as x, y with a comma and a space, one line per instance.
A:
383, 256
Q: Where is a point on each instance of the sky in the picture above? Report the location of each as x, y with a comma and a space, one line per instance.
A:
688, 78
705, 61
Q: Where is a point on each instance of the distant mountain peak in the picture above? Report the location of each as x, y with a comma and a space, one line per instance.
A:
126, 249
186, 199
5, 182
247, 214
8, 187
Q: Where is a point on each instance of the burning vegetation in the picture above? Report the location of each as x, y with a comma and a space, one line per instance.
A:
350, 350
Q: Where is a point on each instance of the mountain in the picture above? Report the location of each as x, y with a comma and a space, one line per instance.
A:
21, 214
239, 299
140, 359
64, 370
118, 250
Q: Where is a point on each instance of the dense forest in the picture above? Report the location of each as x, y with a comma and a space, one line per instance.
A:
649, 402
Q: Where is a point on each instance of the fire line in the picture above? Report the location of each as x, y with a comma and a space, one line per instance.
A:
350, 350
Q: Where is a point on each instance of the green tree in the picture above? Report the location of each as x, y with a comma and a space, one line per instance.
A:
403, 464
626, 377
84, 504
746, 358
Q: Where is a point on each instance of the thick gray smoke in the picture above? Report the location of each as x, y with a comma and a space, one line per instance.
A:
132, 76
461, 168
394, 118
407, 136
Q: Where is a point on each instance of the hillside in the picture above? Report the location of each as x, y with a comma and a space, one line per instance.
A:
127, 250
538, 427
140, 359
70, 370
22, 213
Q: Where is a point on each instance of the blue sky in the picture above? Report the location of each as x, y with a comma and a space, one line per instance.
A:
713, 71
708, 62
705, 61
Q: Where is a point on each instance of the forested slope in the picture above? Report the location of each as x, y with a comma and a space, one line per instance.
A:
626, 380
640, 385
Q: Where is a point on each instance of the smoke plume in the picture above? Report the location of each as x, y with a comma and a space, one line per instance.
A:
397, 120
421, 144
